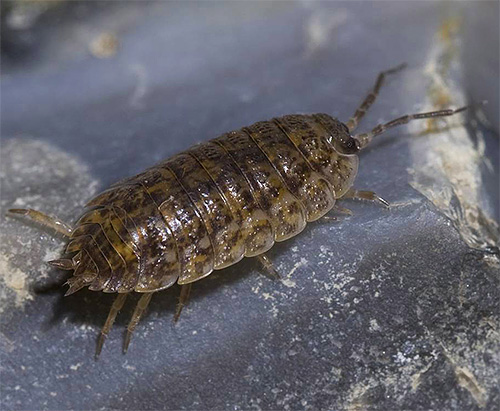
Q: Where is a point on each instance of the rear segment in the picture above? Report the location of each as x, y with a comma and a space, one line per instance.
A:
124, 236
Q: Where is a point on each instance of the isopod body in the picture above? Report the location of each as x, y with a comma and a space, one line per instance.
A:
208, 207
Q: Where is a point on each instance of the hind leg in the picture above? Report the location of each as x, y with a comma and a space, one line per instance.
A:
139, 310
115, 308
268, 267
183, 299
44, 220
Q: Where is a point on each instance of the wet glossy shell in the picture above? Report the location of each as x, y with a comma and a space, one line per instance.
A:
208, 207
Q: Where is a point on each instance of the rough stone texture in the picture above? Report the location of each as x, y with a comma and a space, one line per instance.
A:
385, 309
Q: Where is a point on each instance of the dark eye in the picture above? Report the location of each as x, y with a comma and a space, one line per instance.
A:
350, 143
351, 146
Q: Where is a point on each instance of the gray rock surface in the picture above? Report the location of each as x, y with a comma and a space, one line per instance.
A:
385, 309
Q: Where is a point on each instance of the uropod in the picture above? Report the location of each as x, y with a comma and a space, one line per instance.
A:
213, 204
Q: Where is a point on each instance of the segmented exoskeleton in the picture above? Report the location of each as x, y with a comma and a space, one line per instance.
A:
208, 207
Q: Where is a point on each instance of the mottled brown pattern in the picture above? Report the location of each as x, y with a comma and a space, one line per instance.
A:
141, 238
195, 251
311, 137
154, 241
221, 226
113, 196
95, 223
96, 253
206, 208
287, 215
314, 193
127, 248
257, 234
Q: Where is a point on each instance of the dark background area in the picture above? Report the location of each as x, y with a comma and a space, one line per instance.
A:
385, 309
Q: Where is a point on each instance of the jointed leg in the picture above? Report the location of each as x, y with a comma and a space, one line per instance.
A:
342, 210
139, 310
329, 218
45, 220
370, 98
365, 138
183, 299
62, 263
364, 195
268, 266
338, 209
115, 308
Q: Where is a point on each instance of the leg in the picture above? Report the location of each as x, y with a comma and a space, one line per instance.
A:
365, 195
342, 210
139, 310
62, 263
44, 220
370, 98
268, 266
365, 138
115, 308
339, 209
183, 299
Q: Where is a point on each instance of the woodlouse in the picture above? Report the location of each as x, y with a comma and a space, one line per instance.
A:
208, 207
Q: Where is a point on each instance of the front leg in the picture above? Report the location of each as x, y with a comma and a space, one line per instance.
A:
339, 209
364, 195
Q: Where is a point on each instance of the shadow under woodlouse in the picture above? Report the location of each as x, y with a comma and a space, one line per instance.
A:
90, 308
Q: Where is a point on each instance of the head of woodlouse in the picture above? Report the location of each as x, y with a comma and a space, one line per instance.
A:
340, 137
345, 143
